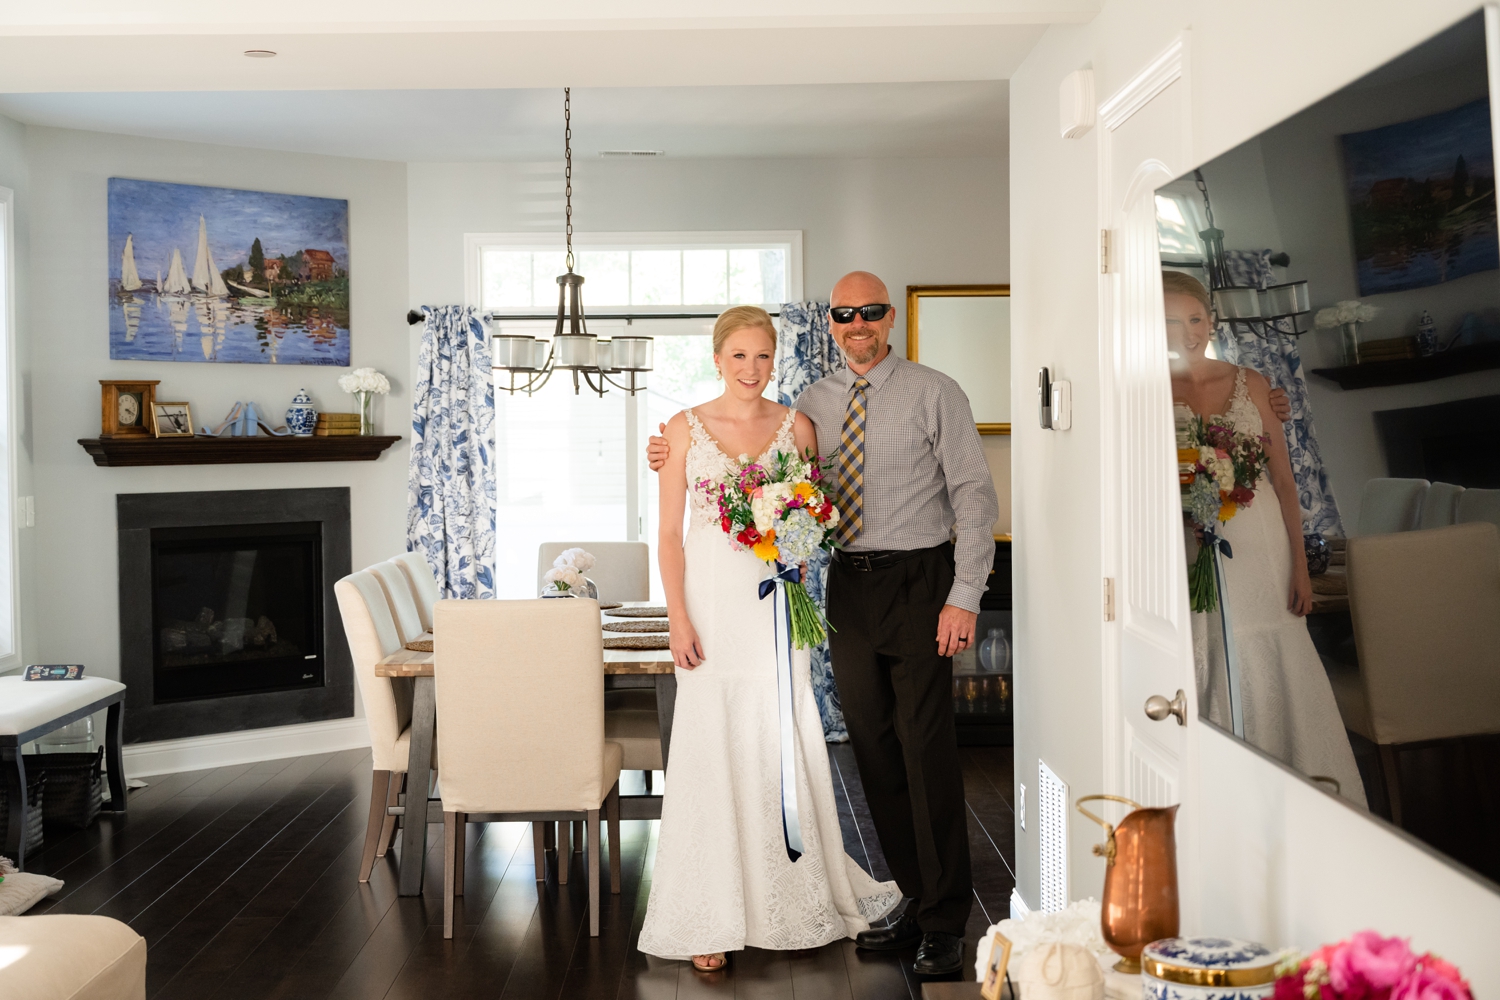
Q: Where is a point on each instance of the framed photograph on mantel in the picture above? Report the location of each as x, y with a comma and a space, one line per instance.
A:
964, 332
172, 420
125, 408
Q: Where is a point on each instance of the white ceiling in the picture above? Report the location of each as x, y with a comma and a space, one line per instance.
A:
853, 120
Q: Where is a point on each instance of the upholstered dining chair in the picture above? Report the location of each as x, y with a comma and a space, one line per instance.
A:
1426, 613
1390, 505
1479, 505
521, 735
1440, 506
397, 586
622, 570
372, 635
423, 584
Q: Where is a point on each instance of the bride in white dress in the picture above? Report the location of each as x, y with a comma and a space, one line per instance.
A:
1288, 705
722, 878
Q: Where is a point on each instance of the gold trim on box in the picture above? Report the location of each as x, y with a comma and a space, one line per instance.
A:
1263, 975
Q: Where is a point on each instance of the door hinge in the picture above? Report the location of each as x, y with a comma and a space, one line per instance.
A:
1104, 251
1109, 598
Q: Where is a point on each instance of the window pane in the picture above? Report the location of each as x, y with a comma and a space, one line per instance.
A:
703, 277
773, 275
656, 277
606, 276
505, 277
546, 265
745, 282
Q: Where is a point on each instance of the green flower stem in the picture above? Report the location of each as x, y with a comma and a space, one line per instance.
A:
1203, 589
807, 618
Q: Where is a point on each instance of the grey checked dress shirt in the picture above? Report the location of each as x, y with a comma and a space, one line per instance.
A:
925, 478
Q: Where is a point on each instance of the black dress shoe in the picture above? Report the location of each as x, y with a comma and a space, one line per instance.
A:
940, 954
902, 934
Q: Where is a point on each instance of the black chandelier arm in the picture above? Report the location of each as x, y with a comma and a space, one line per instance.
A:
632, 388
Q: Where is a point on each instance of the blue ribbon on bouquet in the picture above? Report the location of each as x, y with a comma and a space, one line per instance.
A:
791, 828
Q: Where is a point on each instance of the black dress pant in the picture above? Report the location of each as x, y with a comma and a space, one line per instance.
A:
897, 694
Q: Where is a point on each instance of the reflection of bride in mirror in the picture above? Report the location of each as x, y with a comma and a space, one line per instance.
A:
1287, 703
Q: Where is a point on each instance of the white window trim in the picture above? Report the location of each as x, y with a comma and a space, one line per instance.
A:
9, 530
475, 243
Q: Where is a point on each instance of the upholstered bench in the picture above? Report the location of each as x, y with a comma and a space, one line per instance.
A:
71, 957
31, 709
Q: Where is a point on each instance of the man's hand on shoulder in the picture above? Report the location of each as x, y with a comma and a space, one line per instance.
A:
1281, 405
658, 450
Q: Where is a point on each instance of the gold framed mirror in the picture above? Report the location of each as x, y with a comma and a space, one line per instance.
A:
963, 331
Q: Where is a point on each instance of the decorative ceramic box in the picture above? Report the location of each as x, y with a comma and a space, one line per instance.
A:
1207, 968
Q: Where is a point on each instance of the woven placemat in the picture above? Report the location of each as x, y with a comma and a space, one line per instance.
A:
420, 645
656, 626
639, 613
637, 642
606, 605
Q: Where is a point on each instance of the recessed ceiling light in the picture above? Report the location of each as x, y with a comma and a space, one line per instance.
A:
259, 53
632, 152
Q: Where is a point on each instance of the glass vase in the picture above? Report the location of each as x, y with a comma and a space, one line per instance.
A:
994, 652
366, 421
1349, 342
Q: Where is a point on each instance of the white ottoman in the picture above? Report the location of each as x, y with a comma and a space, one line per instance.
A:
68, 957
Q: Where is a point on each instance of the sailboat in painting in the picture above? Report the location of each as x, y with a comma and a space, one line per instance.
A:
177, 280
206, 277
130, 278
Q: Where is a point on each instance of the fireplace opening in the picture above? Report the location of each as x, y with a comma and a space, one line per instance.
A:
236, 609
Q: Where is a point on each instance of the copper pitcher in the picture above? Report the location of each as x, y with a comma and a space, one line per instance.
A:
1140, 878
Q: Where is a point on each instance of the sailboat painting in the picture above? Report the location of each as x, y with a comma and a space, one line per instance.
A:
241, 277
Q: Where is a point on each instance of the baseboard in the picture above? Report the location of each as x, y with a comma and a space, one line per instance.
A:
196, 753
1018, 907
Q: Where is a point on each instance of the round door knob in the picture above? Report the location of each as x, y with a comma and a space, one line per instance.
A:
1158, 708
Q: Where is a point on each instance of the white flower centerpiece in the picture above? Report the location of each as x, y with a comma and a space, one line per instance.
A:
566, 577
1347, 315
365, 383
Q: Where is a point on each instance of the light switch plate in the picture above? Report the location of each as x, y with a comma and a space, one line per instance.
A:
1062, 405
1021, 805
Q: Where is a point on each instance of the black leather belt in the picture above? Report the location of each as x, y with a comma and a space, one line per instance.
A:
866, 562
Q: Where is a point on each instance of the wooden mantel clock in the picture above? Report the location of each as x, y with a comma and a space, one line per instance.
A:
125, 407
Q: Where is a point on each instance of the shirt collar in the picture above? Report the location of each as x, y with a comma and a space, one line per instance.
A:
875, 376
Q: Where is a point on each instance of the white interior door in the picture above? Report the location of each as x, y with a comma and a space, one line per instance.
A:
1148, 646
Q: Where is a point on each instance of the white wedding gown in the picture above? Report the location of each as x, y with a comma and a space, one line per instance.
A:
1288, 704
722, 879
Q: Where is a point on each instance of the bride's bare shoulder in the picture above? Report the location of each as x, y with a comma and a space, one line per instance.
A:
1259, 386
677, 427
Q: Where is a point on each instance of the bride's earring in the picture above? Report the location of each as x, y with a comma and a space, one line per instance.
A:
718, 375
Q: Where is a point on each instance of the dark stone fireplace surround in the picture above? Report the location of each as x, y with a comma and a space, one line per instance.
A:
136, 515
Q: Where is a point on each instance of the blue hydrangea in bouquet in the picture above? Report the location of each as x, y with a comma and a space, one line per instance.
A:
1217, 468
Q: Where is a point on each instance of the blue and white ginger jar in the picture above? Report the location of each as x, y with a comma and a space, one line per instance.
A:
1207, 968
301, 417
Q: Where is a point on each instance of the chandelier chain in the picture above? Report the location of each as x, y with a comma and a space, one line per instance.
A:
568, 167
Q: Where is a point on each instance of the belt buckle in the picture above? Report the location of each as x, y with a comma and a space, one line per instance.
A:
860, 561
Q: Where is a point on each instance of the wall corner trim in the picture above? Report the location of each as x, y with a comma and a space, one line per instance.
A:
1018, 907
1160, 74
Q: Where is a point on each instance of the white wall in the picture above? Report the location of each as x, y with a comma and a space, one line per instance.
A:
1277, 860
73, 579
14, 174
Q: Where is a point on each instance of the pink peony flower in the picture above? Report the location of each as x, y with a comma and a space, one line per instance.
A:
1425, 983
1446, 970
1368, 966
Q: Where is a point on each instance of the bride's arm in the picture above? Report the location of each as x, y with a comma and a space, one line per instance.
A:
1299, 601
805, 435
687, 650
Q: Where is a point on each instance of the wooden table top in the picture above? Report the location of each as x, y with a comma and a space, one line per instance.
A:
410, 663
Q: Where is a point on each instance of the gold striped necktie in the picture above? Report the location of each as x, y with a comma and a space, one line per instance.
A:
851, 466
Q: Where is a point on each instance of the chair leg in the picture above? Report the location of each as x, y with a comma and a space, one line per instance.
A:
612, 811
458, 859
392, 798
577, 836
452, 821
549, 836
593, 825
564, 850
1391, 769
648, 781
539, 844
380, 783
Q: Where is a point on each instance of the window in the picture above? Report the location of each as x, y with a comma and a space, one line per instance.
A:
10, 646
572, 467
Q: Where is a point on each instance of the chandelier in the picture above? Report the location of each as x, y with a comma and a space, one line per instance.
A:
577, 350
1263, 311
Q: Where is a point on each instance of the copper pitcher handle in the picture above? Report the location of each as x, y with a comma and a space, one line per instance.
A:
1105, 850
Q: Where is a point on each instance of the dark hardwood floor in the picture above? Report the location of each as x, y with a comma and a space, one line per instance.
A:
243, 880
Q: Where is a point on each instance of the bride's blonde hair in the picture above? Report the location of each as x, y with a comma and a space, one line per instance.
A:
741, 318
1177, 283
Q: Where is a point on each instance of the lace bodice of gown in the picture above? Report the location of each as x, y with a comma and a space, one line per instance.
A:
706, 460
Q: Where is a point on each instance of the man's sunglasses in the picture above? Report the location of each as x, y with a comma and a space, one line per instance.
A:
872, 313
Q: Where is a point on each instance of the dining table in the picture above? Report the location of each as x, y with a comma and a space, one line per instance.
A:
620, 668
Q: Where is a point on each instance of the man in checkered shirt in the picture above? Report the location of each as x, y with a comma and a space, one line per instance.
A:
917, 506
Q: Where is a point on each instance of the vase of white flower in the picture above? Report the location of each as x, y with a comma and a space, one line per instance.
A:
1347, 316
365, 384
566, 577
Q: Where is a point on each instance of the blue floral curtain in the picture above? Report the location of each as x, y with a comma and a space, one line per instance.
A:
805, 352
1277, 359
450, 514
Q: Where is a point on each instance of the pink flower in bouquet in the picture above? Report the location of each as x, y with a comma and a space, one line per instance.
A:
1368, 965
1428, 983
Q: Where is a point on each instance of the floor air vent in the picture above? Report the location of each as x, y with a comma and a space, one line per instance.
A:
1052, 824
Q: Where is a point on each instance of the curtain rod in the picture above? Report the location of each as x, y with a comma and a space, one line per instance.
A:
413, 317
1282, 259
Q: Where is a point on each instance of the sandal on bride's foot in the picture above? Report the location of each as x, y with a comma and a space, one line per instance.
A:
715, 962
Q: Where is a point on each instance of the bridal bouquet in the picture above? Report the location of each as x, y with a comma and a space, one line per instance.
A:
1369, 967
1217, 467
782, 513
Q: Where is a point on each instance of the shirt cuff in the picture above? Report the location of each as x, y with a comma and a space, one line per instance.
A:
965, 596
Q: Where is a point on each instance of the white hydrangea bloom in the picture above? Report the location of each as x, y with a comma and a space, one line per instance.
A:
564, 578
365, 380
579, 559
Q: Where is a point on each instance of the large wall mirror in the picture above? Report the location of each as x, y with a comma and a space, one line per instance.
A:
1344, 557
964, 331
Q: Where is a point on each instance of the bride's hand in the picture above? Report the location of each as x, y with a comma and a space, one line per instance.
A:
687, 649
1300, 601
